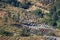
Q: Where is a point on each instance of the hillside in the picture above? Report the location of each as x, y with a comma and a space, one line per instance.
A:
17, 8
29, 19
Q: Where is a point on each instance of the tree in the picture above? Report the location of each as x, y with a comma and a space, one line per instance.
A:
52, 17
57, 4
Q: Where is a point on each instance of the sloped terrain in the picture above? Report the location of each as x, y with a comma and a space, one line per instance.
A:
16, 16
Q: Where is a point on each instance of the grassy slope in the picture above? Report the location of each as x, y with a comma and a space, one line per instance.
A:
15, 29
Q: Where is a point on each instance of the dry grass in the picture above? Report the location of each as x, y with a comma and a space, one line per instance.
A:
21, 38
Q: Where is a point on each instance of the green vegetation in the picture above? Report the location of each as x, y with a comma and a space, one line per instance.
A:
54, 16
51, 34
58, 24
38, 13
57, 4
38, 32
14, 15
15, 3
6, 33
26, 5
17, 16
25, 32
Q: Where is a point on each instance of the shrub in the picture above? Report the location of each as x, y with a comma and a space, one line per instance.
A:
51, 34
6, 33
38, 13
25, 32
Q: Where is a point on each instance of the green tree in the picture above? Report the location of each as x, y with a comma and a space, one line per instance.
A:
52, 17
57, 4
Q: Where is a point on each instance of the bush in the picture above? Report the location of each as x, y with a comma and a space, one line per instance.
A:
58, 24
26, 5
6, 33
25, 32
38, 13
51, 34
